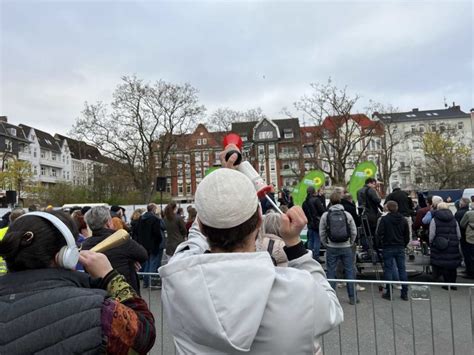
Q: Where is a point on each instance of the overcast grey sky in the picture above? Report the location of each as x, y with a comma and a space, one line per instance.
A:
240, 54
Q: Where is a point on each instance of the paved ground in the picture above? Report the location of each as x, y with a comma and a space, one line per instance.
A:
380, 338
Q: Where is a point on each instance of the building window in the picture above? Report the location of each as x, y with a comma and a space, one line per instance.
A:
422, 128
244, 138
309, 134
67, 175
43, 171
35, 170
8, 145
217, 158
288, 133
413, 128
188, 189
199, 141
261, 150
53, 156
43, 154
442, 128
180, 187
205, 156
204, 141
460, 125
265, 135
433, 127
271, 149
53, 172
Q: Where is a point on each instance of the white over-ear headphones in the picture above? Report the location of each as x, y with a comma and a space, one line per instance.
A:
68, 256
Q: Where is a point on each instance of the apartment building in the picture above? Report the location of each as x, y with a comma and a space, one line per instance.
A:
409, 127
82, 161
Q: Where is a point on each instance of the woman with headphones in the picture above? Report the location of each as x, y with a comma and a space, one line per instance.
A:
47, 308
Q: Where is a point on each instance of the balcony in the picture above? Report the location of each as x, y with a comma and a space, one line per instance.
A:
288, 172
49, 179
295, 155
24, 156
52, 163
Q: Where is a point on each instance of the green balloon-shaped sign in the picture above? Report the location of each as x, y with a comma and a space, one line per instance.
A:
363, 171
315, 178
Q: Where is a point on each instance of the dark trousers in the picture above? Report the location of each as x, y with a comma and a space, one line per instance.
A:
449, 275
395, 257
468, 254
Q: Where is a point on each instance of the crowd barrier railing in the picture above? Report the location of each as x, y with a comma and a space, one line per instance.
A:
433, 320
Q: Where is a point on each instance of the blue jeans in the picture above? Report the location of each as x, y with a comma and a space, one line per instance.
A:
314, 242
347, 258
395, 255
151, 265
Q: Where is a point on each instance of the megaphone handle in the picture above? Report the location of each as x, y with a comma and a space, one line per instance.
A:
239, 156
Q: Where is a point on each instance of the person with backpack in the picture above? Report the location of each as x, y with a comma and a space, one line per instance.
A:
338, 232
393, 232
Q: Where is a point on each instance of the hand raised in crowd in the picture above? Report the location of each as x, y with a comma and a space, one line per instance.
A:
96, 264
229, 163
292, 223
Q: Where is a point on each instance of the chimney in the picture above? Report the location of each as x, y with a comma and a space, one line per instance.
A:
415, 109
4, 119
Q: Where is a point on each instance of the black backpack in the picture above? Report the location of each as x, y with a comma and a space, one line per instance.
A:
338, 229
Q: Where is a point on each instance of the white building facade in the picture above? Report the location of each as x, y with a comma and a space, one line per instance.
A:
408, 129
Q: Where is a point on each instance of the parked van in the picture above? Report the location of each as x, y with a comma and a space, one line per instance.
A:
468, 193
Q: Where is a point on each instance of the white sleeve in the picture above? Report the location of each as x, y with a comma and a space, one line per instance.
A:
330, 312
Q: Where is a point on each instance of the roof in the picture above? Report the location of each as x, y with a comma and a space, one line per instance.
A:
81, 150
246, 128
13, 132
453, 112
45, 140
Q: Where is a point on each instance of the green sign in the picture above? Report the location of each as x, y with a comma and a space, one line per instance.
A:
363, 171
315, 178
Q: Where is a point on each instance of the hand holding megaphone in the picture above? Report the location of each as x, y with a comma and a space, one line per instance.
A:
233, 145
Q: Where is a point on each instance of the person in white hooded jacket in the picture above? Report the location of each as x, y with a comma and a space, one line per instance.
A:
221, 297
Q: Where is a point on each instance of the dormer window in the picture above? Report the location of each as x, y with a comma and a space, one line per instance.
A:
288, 133
265, 135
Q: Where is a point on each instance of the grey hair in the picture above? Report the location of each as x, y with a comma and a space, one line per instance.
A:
97, 217
271, 224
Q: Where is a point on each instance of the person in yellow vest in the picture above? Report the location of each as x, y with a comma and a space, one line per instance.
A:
17, 212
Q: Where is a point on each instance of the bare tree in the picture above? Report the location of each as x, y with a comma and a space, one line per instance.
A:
390, 139
222, 118
140, 115
342, 137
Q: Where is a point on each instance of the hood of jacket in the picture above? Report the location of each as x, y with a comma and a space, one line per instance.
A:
336, 207
444, 215
229, 295
394, 218
148, 215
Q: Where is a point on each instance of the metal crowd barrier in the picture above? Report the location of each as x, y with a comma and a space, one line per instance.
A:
433, 321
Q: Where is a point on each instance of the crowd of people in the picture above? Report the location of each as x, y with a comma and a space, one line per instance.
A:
231, 272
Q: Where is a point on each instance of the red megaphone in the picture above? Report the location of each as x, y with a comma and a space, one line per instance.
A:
233, 138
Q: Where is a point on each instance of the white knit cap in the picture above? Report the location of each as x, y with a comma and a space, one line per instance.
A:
225, 198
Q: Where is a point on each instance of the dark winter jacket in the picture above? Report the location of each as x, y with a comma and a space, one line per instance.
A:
458, 217
393, 230
61, 313
176, 233
313, 209
443, 225
369, 202
122, 258
352, 209
149, 232
405, 203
